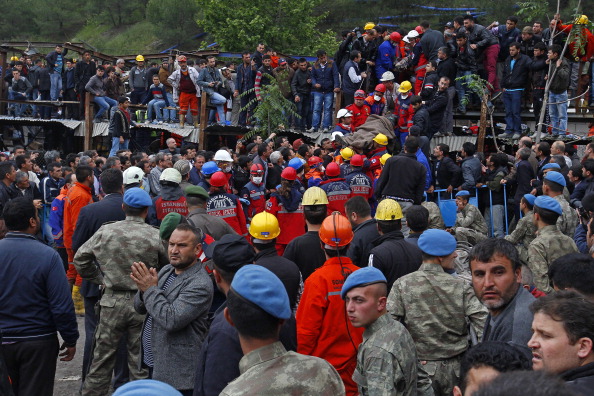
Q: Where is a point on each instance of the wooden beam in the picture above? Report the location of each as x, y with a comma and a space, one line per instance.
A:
88, 121
337, 105
203, 122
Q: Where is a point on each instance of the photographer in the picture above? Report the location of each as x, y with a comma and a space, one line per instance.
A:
210, 81
368, 48
344, 49
584, 231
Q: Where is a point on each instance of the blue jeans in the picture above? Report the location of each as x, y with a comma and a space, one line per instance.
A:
512, 101
498, 216
170, 114
558, 112
56, 87
462, 88
219, 101
104, 104
155, 105
326, 100
18, 108
116, 145
45, 112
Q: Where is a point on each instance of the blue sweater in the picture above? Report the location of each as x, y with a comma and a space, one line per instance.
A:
35, 299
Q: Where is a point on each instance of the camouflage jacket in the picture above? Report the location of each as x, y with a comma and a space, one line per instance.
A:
549, 245
525, 231
471, 217
272, 371
115, 247
568, 221
435, 308
387, 363
435, 219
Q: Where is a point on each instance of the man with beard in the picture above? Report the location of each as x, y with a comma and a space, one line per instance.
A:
496, 277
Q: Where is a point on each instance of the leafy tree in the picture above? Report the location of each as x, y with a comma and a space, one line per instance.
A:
174, 20
290, 26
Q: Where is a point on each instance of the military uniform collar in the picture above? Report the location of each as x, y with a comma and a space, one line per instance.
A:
431, 267
377, 325
198, 211
261, 355
547, 229
135, 218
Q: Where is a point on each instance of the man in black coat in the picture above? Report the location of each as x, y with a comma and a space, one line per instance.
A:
364, 226
83, 71
446, 174
90, 219
437, 106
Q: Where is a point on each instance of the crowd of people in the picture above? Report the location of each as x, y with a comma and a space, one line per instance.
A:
280, 267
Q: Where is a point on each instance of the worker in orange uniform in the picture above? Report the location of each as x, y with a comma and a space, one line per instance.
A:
323, 329
336, 188
316, 171
224, 205
285, 204
380, 142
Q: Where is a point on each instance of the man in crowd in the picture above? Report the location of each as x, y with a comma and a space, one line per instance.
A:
83, 71
185, 90
560, 74
325, 83
470, 225
516, 69
365, 230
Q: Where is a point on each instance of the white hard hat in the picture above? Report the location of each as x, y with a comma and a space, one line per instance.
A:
343, 113
335, 134
133, 175
171, 175
387, 76
412, 34
223, 155
405, 39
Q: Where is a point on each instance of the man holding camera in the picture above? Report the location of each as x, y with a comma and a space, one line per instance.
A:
210, 80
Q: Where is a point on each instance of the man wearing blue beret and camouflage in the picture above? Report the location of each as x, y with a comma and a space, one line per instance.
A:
470, 225
552, 186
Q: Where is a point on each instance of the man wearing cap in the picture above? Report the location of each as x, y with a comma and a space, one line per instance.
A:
387, 360
183, 166
176, 303
114, 246
359, 110
391, 91
553, 185
376, 101
336, 188
378, 148
345, 122
525, 230
549, 244
134, 177
171, 198
470, 225
437, 308
196, 198
90, 219
257, 305
387, 54
352, 78
404, 110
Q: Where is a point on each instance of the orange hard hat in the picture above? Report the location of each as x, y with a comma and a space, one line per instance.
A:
289, 173
333, 169
314, 160
256, 169
357, 160
336, 231
218, 179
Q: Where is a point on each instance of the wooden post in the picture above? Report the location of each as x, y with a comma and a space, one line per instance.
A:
483, 127
3, 65
338, 104
203, 121
88, 121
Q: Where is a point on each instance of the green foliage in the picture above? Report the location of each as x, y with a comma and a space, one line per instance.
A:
533, 10
476, 85
272, 111
174, 20
288, 26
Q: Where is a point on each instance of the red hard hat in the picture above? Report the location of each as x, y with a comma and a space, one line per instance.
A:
395, 36
357, 160
289, 173
314, 160
380, 88
218, 179
419, 30
256, 168
333, 169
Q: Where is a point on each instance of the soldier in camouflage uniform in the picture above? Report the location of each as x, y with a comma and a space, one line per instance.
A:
553, 185
115, 246
387, 362
525, 230
435, 218
257, 302
436, 307
549, 245
470, 224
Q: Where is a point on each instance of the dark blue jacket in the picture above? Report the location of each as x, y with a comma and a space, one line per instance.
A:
50, 189
35, 299
52, 57
196, 176
327, 77
347, 85
246, 77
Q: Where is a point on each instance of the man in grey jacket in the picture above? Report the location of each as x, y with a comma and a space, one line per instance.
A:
97, 88
210, 81
471, 168
176, 302
19, 89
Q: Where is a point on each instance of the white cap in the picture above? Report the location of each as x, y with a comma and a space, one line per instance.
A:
412, 34
405, 39
133, 175
387, 76
171, 175
223, 155
335, 134
343, 113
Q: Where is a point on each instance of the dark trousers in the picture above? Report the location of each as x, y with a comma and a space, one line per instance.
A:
45, 112
81, 97
246, 112
120, 371
137, 95
348, 98
537, 100
303, 110
64, 256
71, 109
32, 366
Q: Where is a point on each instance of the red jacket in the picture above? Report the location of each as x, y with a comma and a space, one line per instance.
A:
404, 111
374, 159
162, 207
292, 224
360, 115
323, 330
228, 207
587, 50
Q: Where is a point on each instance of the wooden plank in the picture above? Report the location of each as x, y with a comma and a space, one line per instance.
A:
203, 122
88, 121
337, 105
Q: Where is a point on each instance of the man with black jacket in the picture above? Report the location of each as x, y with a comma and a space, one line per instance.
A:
447, 68
119, 126
246, 77
446, 174
55, 62
368, 48
358, 212
515, 75
436, 106
301, 89
466, 64
431, 41
422, 119
83, 71
539, 70
484, 43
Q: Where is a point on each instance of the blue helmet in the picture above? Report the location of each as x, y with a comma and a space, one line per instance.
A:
296, 163
209, 168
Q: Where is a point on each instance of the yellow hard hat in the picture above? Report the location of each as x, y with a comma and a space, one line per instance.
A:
346, 153
14, 58
384, 158
380, 138
139, 58
581, 20
405, 86
388, 209
369, 25
314, 196
264, 226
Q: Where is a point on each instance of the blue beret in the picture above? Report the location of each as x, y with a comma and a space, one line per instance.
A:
463, 193
545, 202
556, 177
146, 387
529, 198
437, 243
261, 287
551, 165
137, 198
362, 277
